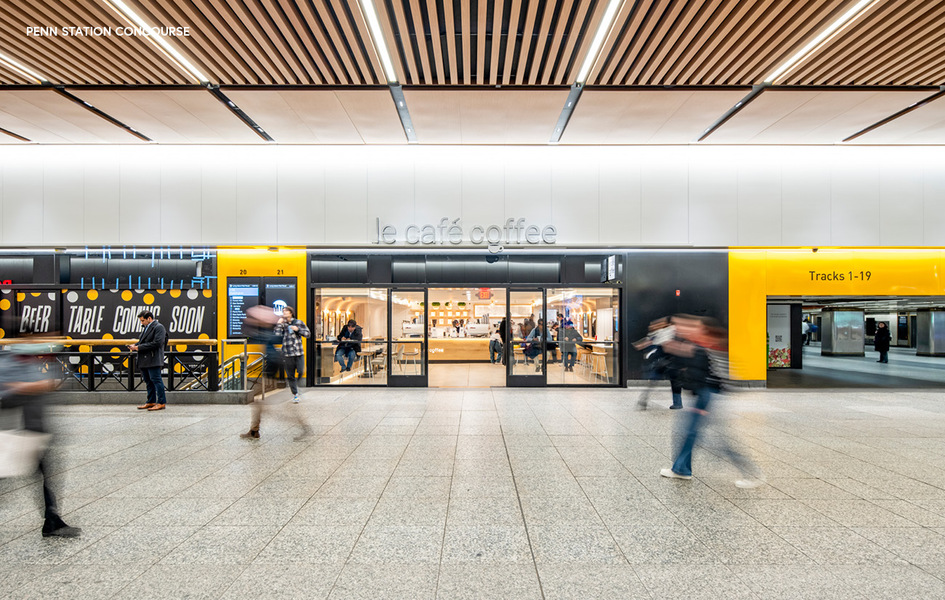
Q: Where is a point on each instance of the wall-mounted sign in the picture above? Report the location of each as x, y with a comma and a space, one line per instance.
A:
779, 335
455, 232
91, 314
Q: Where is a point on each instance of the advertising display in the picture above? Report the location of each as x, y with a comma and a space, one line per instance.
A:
779, 335
96, 314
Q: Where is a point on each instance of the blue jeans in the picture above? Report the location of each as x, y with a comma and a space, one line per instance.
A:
342, 355
495, 351
697, 417
154, 384
570, 356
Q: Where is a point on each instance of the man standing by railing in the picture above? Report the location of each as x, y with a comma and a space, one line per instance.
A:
291, 331
150, 349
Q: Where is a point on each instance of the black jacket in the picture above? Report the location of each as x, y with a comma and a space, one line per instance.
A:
881, 339
350, 340
151, 346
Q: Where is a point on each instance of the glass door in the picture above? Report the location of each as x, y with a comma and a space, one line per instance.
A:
408, 338
527, 351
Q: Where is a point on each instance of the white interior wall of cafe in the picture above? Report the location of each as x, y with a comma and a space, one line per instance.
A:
594, 196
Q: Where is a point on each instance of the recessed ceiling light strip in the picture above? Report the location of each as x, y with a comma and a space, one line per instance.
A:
176, 57
825, 37
236, 110
62, 92
14, 135
754, 93
21, 69
400, 103
606, 24
374, 23
901, 113
569, 105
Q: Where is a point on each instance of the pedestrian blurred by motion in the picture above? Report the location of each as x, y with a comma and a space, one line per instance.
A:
150, 360
259, 326
881, 342
657, 363
701, 351
291, 331
26, 385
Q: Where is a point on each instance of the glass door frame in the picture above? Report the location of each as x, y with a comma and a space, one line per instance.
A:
404, 380
539, 379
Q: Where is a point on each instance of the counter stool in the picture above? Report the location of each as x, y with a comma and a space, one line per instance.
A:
599, 365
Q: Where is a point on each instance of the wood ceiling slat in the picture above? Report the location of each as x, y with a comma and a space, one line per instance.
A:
725, 39
232, 42
434, 20
406, 47
662, 37
905, 71
207, 57
497, 41
267, 69
417, 14
544, 30
826, 64
617, 41
557, 36
512, 41
136, 52
356, 29
481, 22
287, 34
758, 59
87, 60
243, 11
311, 51
355, 67
39, 58
708, 38
526, 41
449, 22
636, 48
387, 30
686, 47
341, 72
762, 33
465, 28
565, 76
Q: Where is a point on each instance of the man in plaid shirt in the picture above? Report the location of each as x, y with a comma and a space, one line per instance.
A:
292, 330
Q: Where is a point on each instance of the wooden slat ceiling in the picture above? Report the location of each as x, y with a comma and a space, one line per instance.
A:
483, 42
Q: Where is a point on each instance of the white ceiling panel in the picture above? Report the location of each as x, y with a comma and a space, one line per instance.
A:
492, 116
646, 116
924, 125
173, 116
323, 117
811, 116
48, 118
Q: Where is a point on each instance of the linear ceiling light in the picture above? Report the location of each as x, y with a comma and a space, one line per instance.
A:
122, 9
21, 69
602, 30
370, 13
825, 36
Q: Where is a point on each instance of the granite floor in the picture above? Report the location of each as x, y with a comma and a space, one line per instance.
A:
480, 493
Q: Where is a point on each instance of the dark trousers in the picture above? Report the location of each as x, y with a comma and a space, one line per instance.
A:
155, 384
293, 365
884, 356
569, 356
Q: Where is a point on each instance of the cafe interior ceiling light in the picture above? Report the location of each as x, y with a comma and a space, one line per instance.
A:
136, 21
823, 38
22, 69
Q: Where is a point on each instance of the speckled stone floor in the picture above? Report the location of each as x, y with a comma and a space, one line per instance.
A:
489, 494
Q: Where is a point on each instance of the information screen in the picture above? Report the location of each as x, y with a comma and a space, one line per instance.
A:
280, 295
240, 297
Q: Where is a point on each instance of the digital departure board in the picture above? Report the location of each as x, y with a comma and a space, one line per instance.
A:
240, 297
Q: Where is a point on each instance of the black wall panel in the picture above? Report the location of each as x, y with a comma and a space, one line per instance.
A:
652, 279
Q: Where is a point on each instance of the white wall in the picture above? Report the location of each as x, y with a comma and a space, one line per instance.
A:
594, 196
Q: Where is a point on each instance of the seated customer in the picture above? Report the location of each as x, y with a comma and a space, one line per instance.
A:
349, 344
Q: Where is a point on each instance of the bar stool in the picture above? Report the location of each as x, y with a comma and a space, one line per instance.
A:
599, 365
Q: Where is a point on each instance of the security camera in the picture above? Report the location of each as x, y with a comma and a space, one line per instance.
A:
814, 249
496, 248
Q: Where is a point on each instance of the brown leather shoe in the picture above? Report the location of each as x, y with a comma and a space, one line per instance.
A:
146, 406
157, 407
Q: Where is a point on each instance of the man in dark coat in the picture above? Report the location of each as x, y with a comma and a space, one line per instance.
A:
881, 342
150, 349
